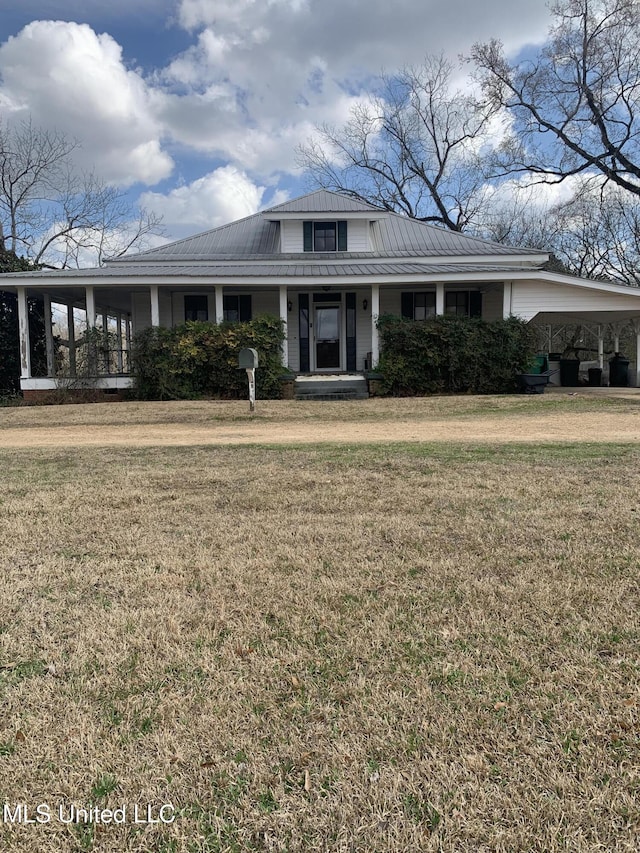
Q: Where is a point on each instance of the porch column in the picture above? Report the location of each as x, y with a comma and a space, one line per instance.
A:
90, 301
636, 328
284, 317
375, 313
48, 335
219, 304
23, 326
506, 300
600, 348
71, 334
155, 305
439, 299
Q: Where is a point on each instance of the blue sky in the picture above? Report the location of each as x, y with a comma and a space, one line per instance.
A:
196, 107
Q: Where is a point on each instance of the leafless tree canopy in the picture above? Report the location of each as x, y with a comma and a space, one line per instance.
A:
576, 106
53, 215
414, 148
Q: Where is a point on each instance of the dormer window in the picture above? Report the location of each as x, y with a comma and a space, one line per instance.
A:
325, 236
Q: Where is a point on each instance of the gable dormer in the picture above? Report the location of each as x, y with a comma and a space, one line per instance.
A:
324, 236
324, 222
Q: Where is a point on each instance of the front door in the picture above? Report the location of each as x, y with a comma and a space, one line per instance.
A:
327, 337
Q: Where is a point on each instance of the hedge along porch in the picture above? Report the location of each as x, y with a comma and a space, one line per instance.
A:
328, 266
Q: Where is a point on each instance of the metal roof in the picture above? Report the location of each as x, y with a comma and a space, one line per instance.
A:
323, 201
276, 271
394, 235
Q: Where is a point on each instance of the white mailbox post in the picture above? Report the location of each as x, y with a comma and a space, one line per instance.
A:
248, 359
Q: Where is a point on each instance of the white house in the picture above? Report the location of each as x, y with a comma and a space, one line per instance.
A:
328, 265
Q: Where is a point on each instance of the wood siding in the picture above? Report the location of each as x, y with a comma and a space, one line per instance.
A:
492, 303
529, 298
358, 235
290, 236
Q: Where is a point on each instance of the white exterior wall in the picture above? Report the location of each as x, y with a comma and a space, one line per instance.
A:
177, 308
166, 308
263, 302
529, 298
141, 311
291, 236
390, 301
492, 304
358, 235
363, 328
293, 329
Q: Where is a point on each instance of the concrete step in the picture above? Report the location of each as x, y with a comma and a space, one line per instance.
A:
331, 388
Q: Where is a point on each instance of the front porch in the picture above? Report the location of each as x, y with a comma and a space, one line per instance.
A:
330, 329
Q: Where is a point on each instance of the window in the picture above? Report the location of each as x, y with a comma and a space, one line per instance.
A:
325, 236
418, 306
457, 302
236, 308
196, 308
464, 303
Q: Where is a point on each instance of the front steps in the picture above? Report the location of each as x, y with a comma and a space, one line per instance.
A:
348, 386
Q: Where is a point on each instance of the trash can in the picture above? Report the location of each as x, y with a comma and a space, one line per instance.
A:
595, 377
619, 371
569, 372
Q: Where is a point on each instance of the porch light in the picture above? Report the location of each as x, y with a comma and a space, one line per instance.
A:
289, 306
365, 304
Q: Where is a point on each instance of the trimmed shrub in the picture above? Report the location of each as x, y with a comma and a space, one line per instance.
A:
452, 354
200, 359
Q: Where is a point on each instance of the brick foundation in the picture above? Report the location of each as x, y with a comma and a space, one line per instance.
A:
72, 395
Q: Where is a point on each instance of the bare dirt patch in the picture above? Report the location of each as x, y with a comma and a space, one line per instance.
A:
552, 418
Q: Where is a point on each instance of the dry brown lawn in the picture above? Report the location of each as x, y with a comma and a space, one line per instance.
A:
373, 627
559, 416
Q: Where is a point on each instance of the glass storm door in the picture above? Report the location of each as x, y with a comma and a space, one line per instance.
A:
327, 334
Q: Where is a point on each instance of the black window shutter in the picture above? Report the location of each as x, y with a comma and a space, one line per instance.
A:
407, 305
342, 236
244, 308
303, 319
350, 304
307, 236
475, 303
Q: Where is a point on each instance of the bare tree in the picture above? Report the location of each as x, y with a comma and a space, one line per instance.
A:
598, 233
88, 219
414, 148
594, 234
575, 107
53, 215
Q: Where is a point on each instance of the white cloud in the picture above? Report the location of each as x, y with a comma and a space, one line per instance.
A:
219, 197
262, 73
68, 77
259, 75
